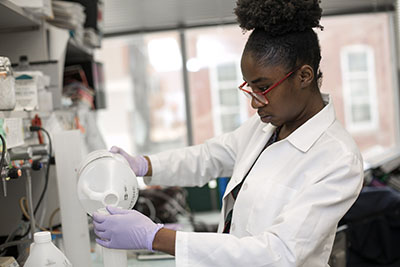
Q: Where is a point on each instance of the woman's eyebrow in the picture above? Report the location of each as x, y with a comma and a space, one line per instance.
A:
261, 79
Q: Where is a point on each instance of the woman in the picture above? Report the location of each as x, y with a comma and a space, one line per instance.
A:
294, 169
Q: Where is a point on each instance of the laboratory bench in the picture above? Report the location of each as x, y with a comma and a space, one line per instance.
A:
133, 261
153, 259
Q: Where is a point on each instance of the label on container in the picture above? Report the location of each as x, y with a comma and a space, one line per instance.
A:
26, 92
14, 132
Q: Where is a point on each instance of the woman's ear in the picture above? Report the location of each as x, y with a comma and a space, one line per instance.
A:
306, 75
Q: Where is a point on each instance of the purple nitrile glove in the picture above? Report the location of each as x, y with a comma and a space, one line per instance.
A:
138, 164
125, 229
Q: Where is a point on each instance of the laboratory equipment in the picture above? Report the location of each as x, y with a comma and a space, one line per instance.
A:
73, 218
21, 161
44, 253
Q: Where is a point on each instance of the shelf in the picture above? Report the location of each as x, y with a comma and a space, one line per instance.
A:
76, 52
23, 114
14, 18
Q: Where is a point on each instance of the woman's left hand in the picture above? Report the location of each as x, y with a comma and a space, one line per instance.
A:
125, 229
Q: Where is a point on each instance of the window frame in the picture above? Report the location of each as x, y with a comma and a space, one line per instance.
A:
217, 109
348, 76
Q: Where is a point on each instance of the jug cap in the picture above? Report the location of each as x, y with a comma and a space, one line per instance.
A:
42, 237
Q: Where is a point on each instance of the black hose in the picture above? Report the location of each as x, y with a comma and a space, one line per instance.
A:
3, 153
47, 173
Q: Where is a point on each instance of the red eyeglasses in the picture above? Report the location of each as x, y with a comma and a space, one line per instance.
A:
261, 96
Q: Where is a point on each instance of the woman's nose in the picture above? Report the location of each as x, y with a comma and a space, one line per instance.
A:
256, 103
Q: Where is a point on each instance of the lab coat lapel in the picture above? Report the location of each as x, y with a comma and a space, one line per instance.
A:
251, 152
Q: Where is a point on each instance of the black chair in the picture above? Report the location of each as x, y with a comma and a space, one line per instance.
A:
373, 229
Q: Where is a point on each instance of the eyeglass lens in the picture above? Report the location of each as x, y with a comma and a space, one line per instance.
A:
259, 98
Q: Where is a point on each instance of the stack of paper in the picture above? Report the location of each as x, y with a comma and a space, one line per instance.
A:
70, 16
41, 8
92, 38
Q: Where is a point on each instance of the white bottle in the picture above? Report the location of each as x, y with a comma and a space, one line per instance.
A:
44, 253
105, 179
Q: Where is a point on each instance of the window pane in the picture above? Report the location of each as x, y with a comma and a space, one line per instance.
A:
357, 61
229, 97
230, 122
361, 113
226, 72
359, 88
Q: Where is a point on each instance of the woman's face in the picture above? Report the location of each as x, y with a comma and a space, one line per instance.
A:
286, 102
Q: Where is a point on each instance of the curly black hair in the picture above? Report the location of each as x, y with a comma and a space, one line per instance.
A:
282, 32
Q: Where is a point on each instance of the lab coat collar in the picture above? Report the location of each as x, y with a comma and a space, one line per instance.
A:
306, 135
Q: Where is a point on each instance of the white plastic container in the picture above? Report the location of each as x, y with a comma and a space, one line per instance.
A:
105, 179
44, 253
113, 257
7, 85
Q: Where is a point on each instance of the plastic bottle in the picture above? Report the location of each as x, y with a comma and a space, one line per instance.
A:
44, 253
23, 64
27, 84
7, 85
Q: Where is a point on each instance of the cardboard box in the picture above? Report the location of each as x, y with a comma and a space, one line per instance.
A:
8, 262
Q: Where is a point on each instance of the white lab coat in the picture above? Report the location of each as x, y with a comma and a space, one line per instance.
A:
288, 208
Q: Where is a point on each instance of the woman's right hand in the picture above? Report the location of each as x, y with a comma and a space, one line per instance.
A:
138, 164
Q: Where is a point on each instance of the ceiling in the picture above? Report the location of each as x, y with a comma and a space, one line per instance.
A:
133, 16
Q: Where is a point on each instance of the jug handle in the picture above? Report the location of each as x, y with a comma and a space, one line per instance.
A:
108, 198
92, 194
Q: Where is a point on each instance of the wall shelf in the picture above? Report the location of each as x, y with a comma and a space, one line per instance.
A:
23, 114
14, 18
76, 51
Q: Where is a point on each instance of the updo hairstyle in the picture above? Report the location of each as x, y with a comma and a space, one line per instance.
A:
282, 32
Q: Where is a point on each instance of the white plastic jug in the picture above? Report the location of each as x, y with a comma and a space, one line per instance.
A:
106, 179
44, 253
7, 85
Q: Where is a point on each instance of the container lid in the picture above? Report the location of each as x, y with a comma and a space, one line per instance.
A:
5, 65
42, 237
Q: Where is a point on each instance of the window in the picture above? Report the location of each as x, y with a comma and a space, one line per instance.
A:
359, 88
360, 76
217, 105
144, 83
146, 108
229, 106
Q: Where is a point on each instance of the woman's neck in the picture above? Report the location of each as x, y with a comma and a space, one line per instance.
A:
315, 105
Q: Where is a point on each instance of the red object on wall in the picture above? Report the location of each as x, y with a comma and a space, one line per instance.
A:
36, 121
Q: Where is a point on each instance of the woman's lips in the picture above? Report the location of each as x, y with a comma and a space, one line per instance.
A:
266, 118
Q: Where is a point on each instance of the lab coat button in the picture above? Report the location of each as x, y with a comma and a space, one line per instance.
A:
245, 186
